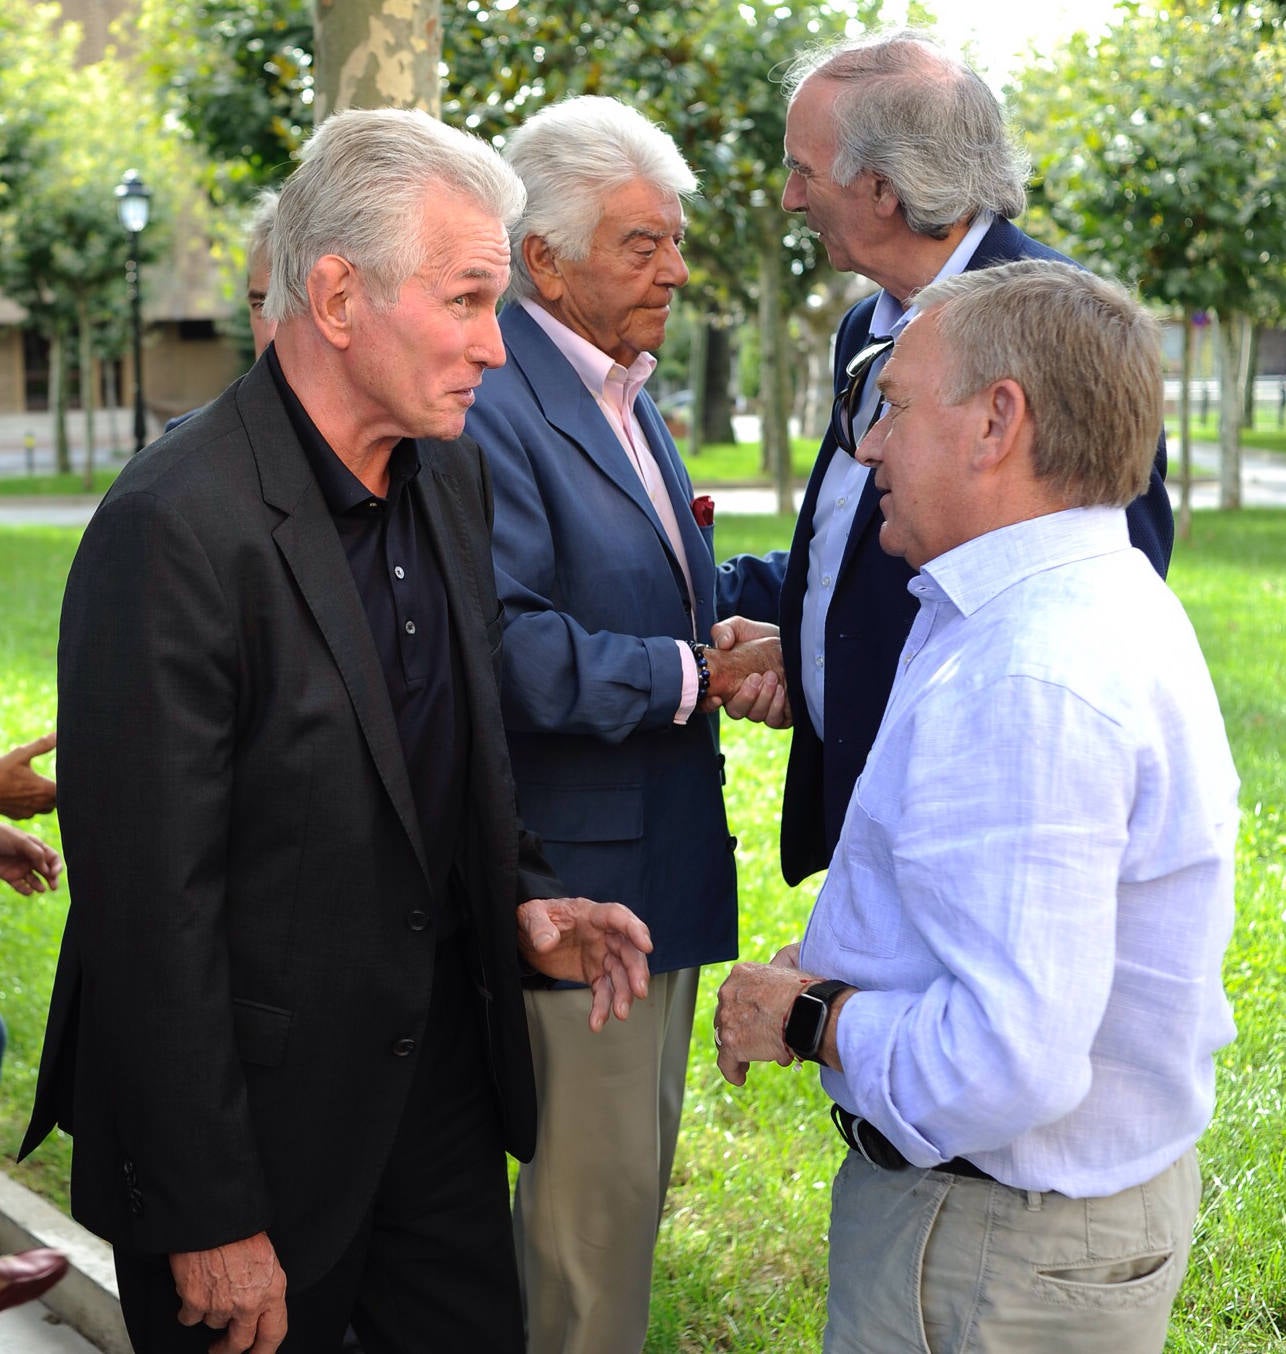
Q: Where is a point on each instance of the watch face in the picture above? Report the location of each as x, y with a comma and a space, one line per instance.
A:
805, 1024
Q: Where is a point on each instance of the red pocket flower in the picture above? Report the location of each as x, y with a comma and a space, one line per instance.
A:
703, 510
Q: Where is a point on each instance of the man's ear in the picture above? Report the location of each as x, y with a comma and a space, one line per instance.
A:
331, 294
883, 198
542, 266
1005, 424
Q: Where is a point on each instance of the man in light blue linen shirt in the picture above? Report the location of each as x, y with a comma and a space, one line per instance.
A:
1011, 976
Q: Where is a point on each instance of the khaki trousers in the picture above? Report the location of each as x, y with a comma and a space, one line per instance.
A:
927, 1263
587, 1207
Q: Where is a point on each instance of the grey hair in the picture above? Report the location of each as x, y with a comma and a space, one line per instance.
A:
259, 232
1086, 354
572, 156
358, 191
923, 121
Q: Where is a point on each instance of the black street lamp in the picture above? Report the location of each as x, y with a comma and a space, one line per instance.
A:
132, 208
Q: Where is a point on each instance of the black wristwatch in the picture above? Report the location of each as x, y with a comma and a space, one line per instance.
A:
806, 1023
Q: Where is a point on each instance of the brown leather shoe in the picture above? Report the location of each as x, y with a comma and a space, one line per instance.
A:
28, 1274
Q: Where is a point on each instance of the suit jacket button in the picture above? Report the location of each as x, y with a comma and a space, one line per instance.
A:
127, 1170
136, 1203
403, 1047
417, 920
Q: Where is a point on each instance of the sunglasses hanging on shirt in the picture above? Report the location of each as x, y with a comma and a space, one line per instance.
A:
849, 400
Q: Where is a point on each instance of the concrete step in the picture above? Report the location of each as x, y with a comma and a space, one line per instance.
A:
83, 1307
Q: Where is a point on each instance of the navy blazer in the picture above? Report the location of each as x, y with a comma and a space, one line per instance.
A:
871, 611
249, 954
628, 804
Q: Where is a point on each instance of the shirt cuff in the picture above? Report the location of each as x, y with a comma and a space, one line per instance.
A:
688, 696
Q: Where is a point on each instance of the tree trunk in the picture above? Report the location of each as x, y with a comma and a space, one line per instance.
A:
772, 330
697, 384
1251, 362
58, 400
88, 391
1185, 432
1230, 336
716, 425
370, 54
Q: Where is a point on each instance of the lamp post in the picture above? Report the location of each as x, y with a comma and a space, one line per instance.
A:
132, 197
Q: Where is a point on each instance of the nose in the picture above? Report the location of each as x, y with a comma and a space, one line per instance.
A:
870, 449
487, 348
793, 198
673, 271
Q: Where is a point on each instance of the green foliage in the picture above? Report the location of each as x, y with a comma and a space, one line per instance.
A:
237, 76
1158, 150
741, 1261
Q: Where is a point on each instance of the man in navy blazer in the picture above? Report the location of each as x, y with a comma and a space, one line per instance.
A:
287, 1032
900, 159
607, 580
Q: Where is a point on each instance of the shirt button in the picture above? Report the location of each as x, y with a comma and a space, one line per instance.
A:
417, 920
398, 571
819, 661
410, 627
826, 580
403, 1047
839, 502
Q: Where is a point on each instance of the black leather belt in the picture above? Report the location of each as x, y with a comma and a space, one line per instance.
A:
869, 1143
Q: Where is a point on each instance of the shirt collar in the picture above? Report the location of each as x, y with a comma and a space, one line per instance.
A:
973, 573
594, 367
889, 317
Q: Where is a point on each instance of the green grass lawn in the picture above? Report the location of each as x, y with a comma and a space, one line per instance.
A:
741, 1262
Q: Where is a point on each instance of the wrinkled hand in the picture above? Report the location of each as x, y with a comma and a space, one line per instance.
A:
24, 792
603, 945
26, 863
747, 679
241, 1286
750, 1019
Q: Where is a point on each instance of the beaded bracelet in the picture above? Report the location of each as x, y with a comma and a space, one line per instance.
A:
703, 669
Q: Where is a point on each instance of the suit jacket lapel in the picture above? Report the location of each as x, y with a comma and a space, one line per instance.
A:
567, 406
310, 546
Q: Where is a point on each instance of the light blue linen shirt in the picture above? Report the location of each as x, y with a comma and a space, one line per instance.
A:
1033, 889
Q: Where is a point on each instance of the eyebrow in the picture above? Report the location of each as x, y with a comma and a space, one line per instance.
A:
796, 166
656, 236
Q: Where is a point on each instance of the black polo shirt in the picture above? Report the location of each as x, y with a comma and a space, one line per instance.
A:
399, 580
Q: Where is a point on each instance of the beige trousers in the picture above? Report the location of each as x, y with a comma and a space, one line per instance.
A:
926, 1263
587, 1207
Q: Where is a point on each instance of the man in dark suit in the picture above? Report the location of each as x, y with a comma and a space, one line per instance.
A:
607, 579
900, 160
287, 1030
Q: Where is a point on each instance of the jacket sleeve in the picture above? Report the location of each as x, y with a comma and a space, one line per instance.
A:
148, 704
560, 674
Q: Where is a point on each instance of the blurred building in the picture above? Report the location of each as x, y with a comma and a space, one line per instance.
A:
187, 357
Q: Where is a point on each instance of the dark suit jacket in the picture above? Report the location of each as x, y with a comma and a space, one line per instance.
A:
246, 968
870, 612
628, 805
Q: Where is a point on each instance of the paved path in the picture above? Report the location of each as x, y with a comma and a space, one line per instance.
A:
34, 1329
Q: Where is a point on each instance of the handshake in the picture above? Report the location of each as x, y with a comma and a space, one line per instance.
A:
747, 680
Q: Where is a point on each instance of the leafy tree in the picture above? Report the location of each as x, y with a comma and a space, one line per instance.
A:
1159, 151
237, 77
62, 250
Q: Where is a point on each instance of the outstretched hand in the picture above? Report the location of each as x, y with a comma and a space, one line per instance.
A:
26, 863
603, 945
24, 792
